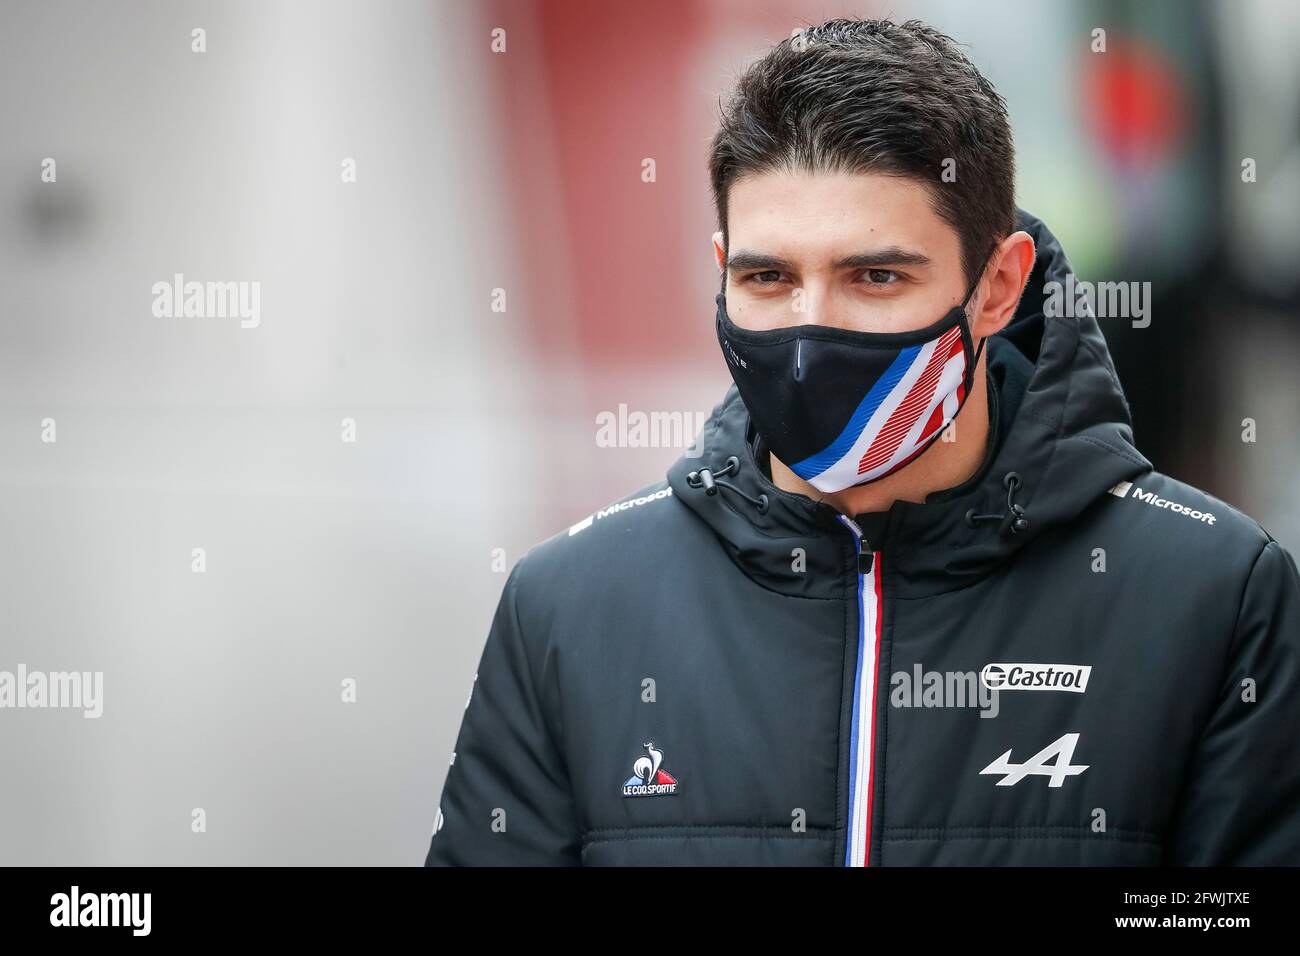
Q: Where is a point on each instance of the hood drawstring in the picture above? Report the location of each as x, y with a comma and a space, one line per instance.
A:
1014, 520
711, 481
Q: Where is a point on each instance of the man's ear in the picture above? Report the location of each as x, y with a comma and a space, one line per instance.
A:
719, 251
1005, 279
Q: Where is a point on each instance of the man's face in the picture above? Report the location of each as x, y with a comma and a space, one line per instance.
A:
861, 251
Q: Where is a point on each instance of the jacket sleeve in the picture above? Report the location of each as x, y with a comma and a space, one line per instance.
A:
506, 800
1241, 802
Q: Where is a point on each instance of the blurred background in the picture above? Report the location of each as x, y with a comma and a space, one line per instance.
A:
497, 154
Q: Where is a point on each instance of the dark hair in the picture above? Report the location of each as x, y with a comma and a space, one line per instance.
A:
859, 95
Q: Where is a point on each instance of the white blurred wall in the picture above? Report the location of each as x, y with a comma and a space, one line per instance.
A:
325, 560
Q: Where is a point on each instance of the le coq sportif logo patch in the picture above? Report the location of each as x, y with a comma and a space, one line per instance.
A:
649, 778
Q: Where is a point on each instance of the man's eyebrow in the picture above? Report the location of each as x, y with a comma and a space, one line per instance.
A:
756, 260
889, 256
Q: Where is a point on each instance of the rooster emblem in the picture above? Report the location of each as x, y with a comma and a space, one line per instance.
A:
646, 767
649, 779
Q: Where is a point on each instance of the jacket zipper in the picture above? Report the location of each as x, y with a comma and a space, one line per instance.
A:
862, 749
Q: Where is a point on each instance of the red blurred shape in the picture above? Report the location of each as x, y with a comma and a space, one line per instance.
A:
1135, 102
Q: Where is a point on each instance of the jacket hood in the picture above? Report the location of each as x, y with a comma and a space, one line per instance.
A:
1071, 440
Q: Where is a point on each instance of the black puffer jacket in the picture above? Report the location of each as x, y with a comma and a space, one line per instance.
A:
710, 672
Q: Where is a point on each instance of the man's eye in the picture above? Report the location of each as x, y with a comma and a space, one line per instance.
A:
773, 275
880, 276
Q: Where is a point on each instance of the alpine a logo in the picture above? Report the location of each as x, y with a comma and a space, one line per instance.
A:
1052, 762
1122, 489
1067, 677
649, 778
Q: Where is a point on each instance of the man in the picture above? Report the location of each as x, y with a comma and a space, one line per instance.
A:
862, 628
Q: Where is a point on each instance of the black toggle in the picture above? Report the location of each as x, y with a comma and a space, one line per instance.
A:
1015, 519
711, 481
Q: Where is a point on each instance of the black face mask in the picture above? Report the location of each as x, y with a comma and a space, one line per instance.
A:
841, 407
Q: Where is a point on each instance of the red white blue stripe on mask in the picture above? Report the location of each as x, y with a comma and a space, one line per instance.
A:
902, 413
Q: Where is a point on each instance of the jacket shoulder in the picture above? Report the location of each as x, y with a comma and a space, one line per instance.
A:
613, 542
1195, 521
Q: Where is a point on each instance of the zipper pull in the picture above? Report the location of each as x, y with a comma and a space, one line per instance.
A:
866, 557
